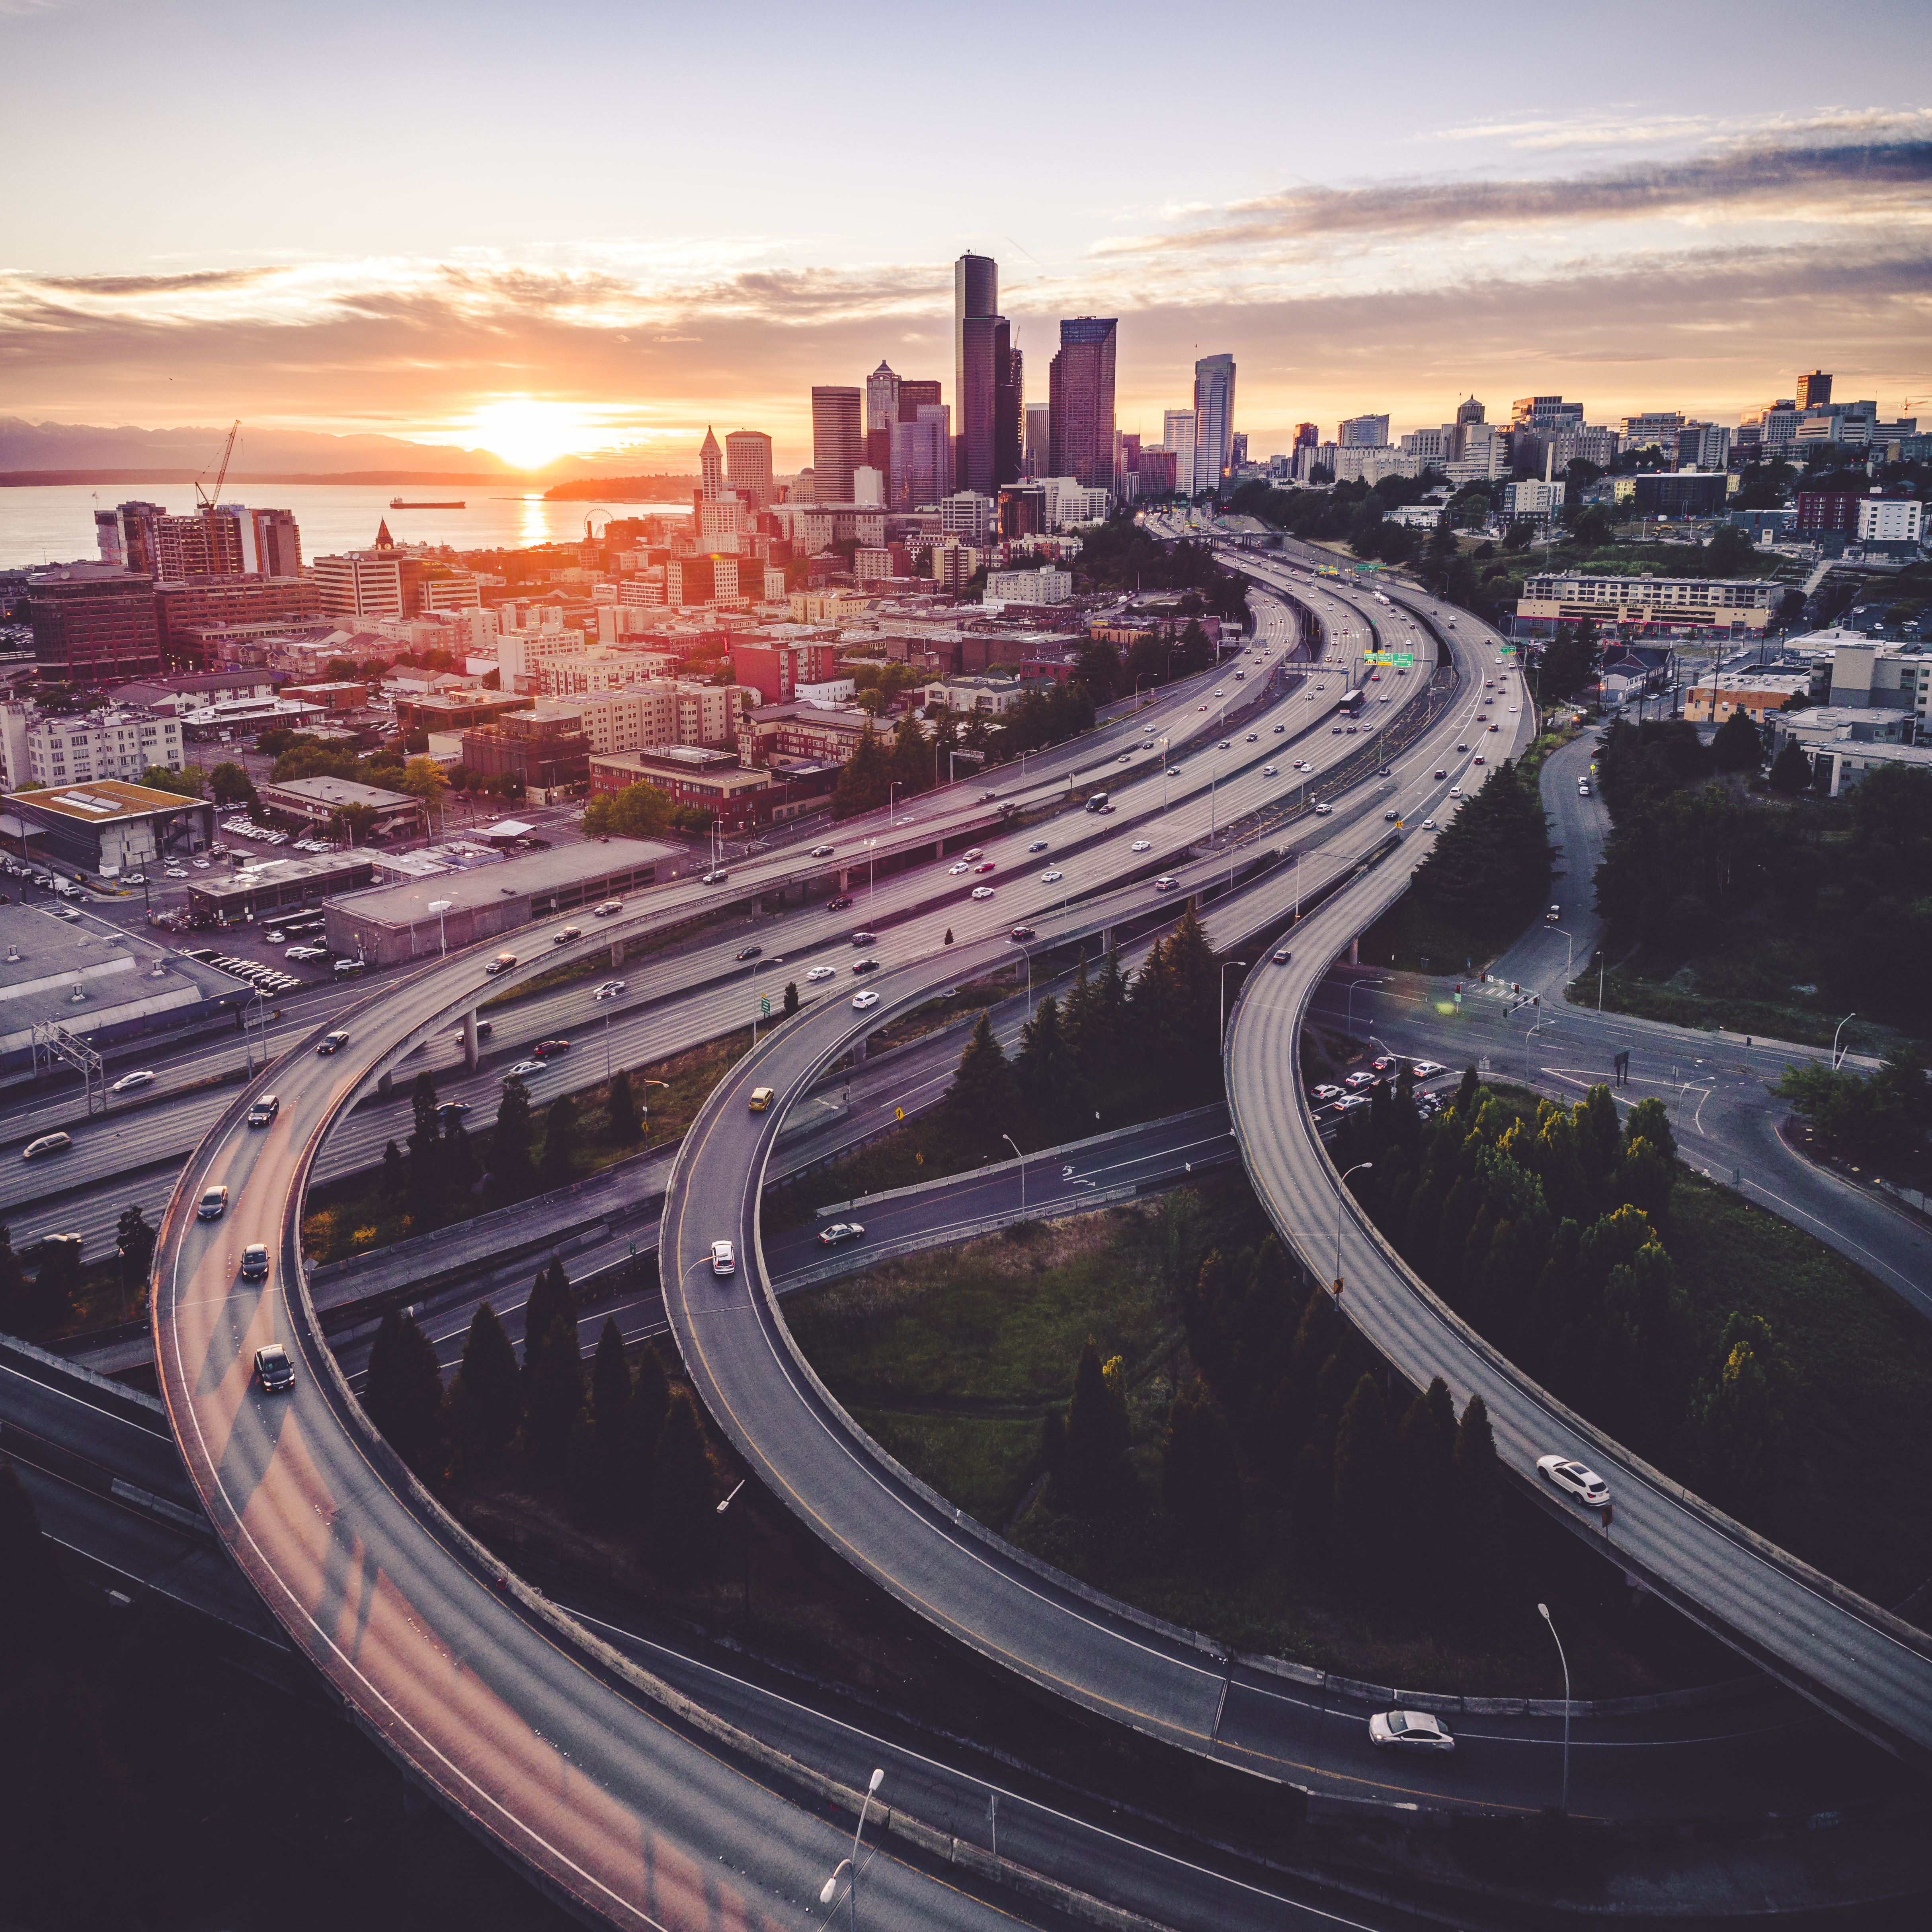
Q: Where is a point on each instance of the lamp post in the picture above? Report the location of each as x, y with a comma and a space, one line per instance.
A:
831, 1886
1569, 964
439, 907
1225, 965
1837, 1056
1543, 1611
891, 817
1021, 1159
1359, 1167
1028, 957
871, 863
744, 1538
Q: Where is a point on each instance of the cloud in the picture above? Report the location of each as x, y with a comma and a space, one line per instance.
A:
158, 285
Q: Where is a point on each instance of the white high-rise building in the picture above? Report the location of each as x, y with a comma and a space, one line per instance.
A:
1214, 420
1178, 433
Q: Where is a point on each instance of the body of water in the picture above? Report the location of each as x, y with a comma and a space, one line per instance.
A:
54, 523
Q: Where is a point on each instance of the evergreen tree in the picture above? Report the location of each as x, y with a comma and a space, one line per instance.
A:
459, 1159
403, 1393
790, 1005
1311, 1489
1599, 1137
1048, 1082
863, 783
1464, 1104
1201, 1476
1479, 1505
510, 1138
56, 1283
395, 1182
560, 1137
1425, 1496
550, 1298
1097, 1431
1364, 1484
1495, 852
982, 1094
15, 1310
422, 1106
1649, 1121
684, 1498
620, 1113
487, 1394
650, 1402
1791, 770
610, 1394
1741, 1426
135, 1240
1737, 747
426, 1164
556, 1394
911, 764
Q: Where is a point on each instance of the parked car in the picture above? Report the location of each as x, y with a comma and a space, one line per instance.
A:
347, 968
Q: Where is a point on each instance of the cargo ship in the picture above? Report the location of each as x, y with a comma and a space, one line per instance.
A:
397, 503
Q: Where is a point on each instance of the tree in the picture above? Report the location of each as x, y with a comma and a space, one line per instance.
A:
1097, 1430
1479, 1505
14, 1298
487, 1391
610, 1397
982, 1092
135, 1241
550, 1298
650, 1402
1425, 1454
790, 1006
403, 1393
1364, 1484
1737, 747
555, 1396
56, 1283
560, 1139
684, 1498
510, 1138
423, 778
1201, 1476
622, 1125
1741, 1427
1730, 552
230, 785
638, 811
186, 783
1791, 770
863, 783
1046, 1073
394, 1180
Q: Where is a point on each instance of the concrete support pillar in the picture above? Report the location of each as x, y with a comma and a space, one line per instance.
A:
383, 1084
1106, 940
470, 1041
1354, 951
616, 954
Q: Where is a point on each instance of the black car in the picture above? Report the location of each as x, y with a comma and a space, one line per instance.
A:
863, 966
751, 953
1020, 933
865, 938
447, 1111
838, 905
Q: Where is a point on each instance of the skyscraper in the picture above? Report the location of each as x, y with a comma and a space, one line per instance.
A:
1080, 398
1008, 404
979, 335
921, 466
748, 463
1177, 433
838, 442
1364, 433
1213, 420
1034, 451
1814, 391
710, 469
882, 398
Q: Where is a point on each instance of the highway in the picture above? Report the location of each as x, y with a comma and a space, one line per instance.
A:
1852, 1658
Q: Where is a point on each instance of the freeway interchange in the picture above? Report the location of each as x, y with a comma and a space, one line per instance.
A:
609, 1787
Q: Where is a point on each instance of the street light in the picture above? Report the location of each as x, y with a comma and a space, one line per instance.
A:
1021, 1159
1838, 1058
744, 1537
1028, 957
831, 1886
871, 874
1359, 1167
439, 907
1543, 1611
1225, 965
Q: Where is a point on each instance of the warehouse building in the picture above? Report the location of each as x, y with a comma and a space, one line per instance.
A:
271, 888
109, 827
389, 925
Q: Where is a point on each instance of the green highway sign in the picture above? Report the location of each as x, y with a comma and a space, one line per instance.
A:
1406, 658
765, 1008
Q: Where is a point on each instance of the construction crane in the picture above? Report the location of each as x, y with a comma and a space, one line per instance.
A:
202, 500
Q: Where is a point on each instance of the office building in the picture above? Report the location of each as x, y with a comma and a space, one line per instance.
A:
1044, 586
1178, 437
1814, 391
1703, 445
1080, 400
1675, 493
1359, 432
838, 441
1238, 458
1739, 606
1035, 461
1214, 420
980, 338
882, 399
748, 465
1008, 408
1654, 428
1534, 500
1896, 523
1545, 416
1155, 473
94, 624
1306, 435
922, 456
710, 469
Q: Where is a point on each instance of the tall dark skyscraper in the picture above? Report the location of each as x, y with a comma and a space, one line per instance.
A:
1080, 399
979, 337
1008, 408
838, 441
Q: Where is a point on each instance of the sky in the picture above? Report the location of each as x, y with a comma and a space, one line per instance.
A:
591, 227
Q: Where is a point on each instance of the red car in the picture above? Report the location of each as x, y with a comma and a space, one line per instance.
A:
986, 868
546, 1049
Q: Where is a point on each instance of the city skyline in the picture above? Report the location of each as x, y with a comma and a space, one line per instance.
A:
1649, 253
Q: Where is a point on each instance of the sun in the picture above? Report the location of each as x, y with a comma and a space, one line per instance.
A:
528, 433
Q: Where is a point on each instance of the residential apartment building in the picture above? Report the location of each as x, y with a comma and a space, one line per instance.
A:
102, 745
1741, 606
698, 779
774, 670
1892, 523
810, 733
1533, 498
186, 611
1029, 586
391, 583
1656, 428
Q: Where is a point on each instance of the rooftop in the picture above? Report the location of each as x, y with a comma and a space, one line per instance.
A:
345, 792
564, 864
100, 802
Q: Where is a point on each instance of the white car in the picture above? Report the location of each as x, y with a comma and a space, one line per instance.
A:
1166, 882
1269, 771
1429, 825
524, 1069
1141, 845
840, 1231
609, 990
1427, 1069
862, 1002
1573, 1479
983, 892
723, 1258
128, 1082
955, 871
1125, 758
1055, 878
1322, 1095
1409, 1730
1321, 812
819, 973
1455, 791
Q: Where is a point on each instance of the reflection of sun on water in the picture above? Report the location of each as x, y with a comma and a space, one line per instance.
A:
529, 433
